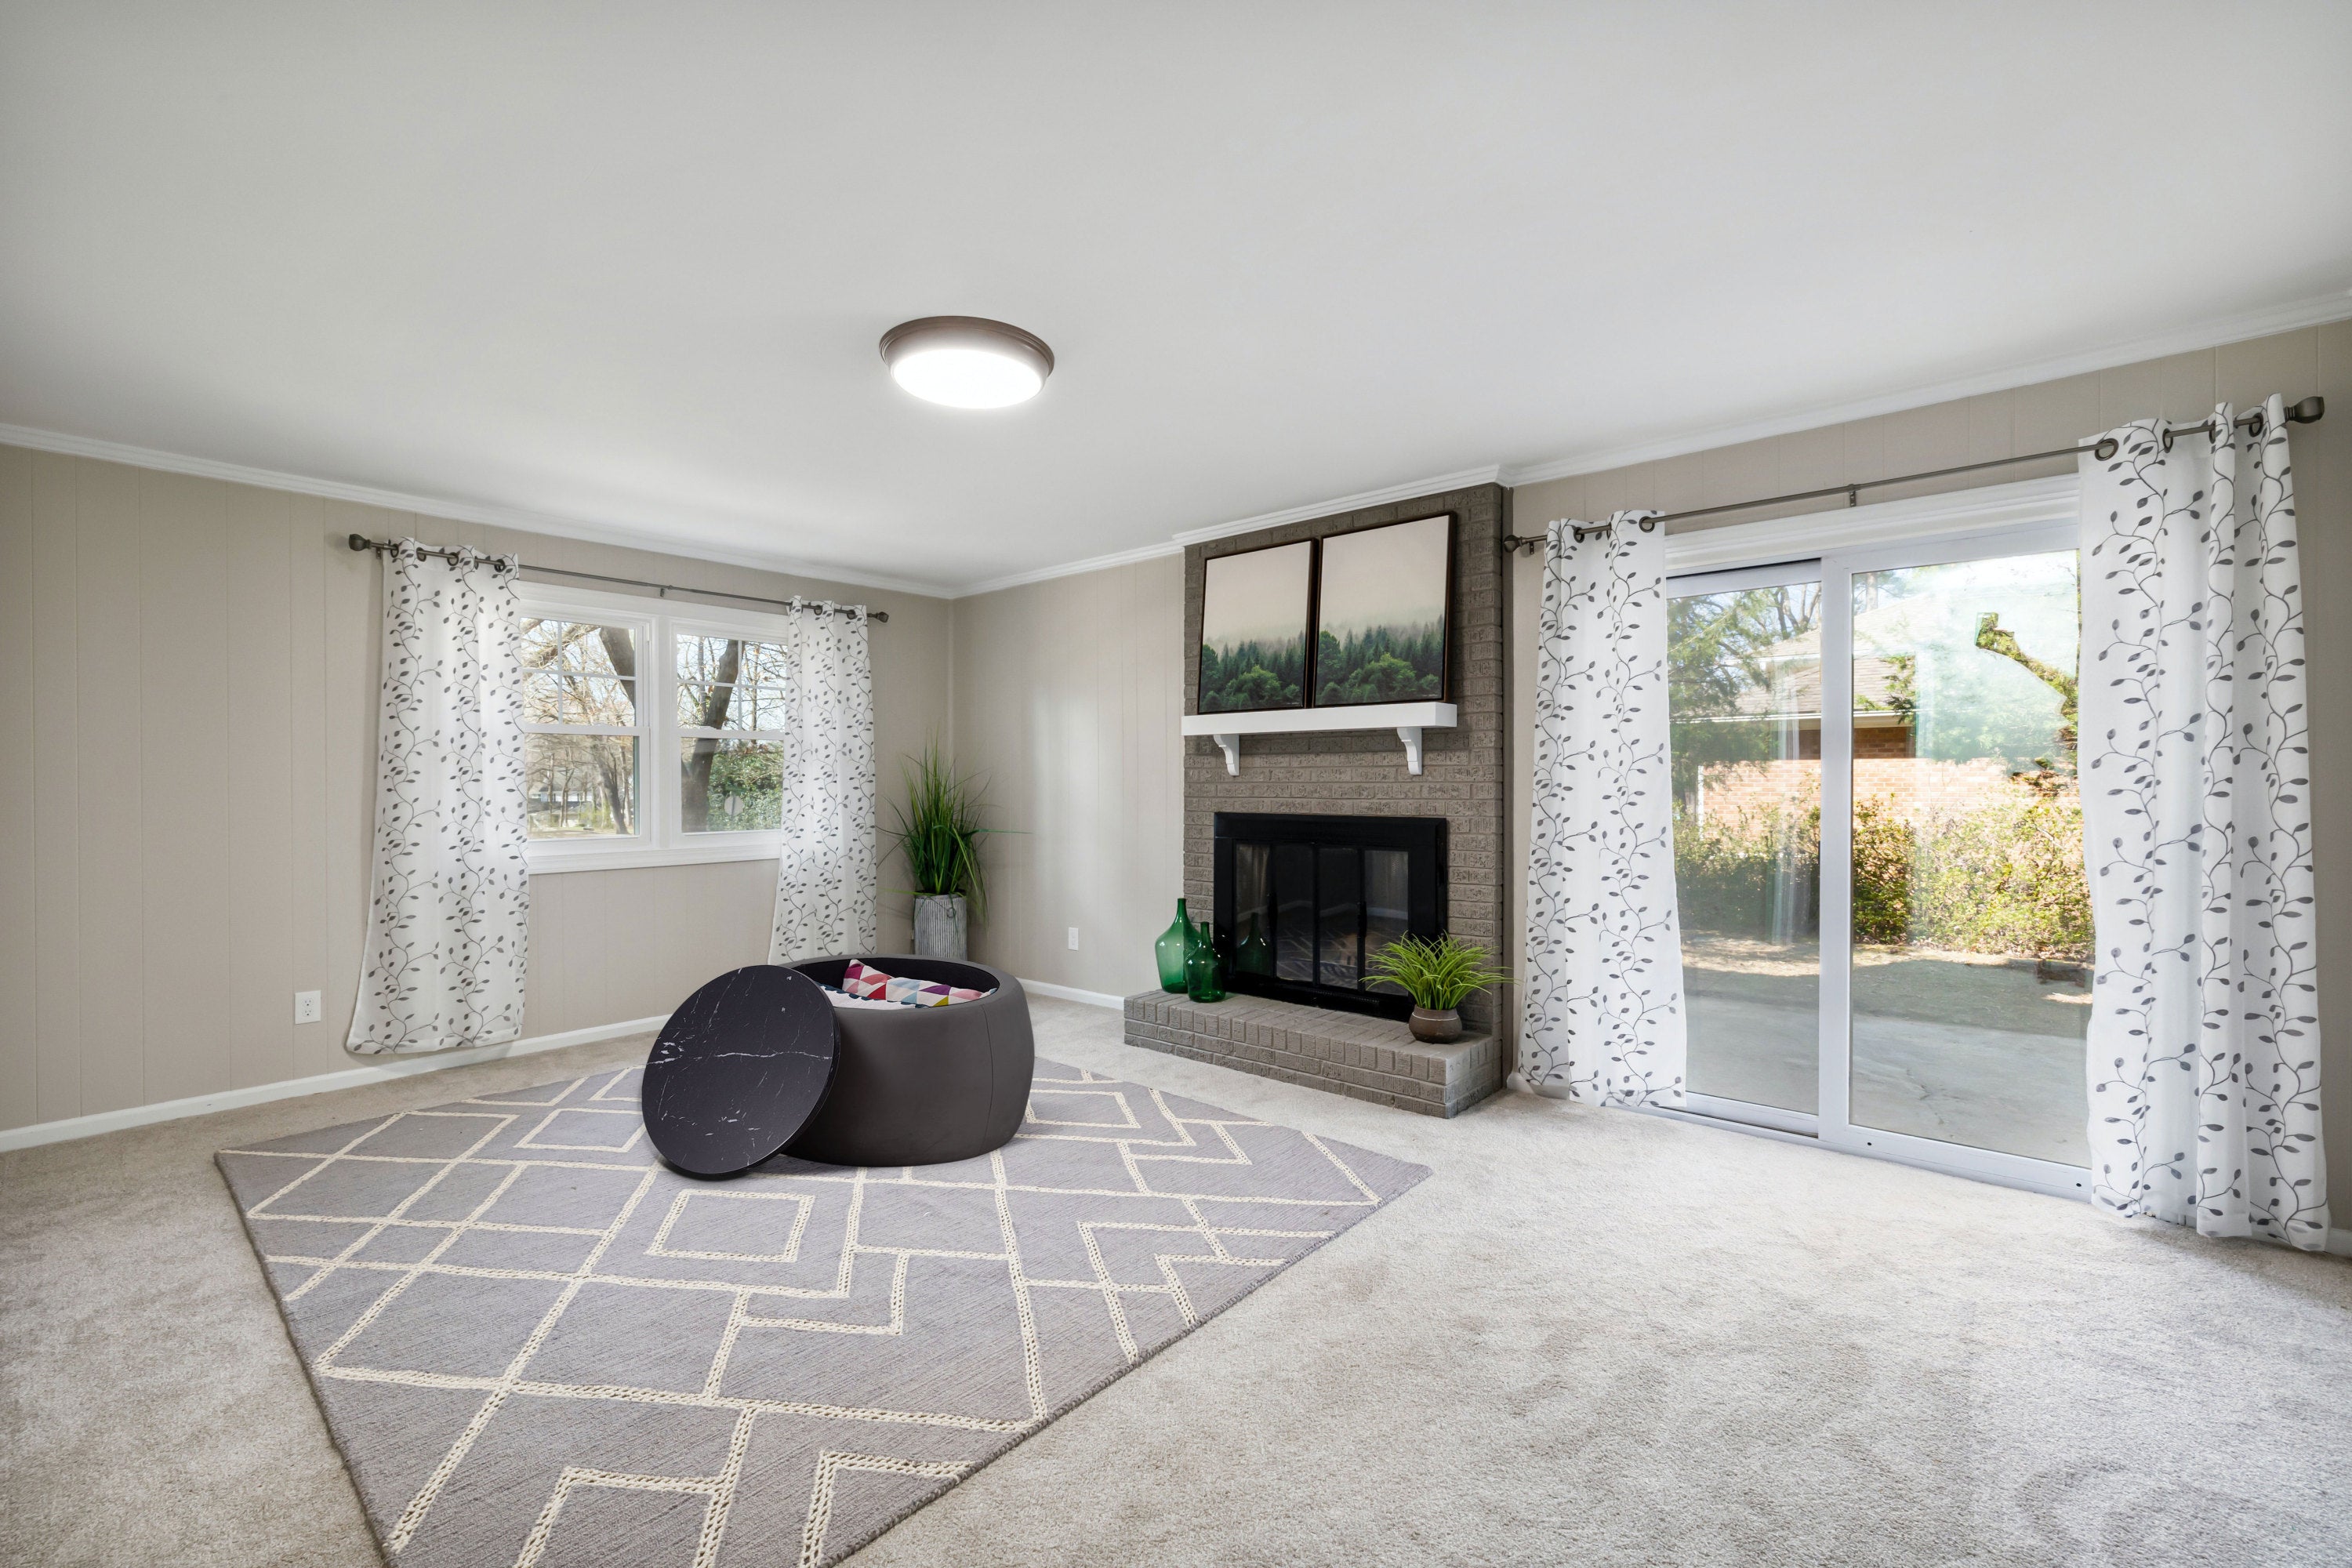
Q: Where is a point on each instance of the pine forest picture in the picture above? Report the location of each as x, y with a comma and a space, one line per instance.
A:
1254, 618
1381, 614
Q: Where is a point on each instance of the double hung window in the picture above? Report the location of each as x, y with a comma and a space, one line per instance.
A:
650, 738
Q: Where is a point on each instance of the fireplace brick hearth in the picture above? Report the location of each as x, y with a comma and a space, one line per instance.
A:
1346, 1053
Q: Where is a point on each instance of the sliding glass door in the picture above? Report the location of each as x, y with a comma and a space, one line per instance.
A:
1744, 699
1878, 851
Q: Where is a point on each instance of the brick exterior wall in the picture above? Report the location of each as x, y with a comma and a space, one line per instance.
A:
1362, 772
1911, 788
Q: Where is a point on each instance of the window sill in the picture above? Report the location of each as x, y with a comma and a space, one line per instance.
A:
553, 858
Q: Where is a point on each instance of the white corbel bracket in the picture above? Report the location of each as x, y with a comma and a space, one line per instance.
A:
1233, 749
1410, 735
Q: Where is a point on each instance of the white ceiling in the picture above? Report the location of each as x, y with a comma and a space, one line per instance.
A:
625, 266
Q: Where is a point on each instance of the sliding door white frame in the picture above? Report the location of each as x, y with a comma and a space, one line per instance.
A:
1735, 580
2029, 518
1837, 1128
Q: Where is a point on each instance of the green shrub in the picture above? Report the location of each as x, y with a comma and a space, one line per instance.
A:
2004, 877
1886, 848
1736, 872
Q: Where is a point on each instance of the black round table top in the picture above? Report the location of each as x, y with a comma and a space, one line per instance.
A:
739, 1069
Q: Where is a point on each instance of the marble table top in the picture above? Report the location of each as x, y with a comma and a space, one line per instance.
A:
739, 1069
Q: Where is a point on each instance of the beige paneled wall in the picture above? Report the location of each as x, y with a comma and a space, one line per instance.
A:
186, 774
1067, 697
2033, 420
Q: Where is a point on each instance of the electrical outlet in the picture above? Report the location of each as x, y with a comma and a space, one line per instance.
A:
1074, 939
306, 1006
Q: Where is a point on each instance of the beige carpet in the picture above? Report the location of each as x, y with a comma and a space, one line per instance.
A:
1590, 1337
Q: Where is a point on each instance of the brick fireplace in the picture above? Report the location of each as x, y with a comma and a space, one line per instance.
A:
1358, 774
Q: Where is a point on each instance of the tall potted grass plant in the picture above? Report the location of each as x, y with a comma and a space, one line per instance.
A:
939, 833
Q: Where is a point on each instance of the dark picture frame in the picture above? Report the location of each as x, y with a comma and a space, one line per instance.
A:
1252, 658
1383, 615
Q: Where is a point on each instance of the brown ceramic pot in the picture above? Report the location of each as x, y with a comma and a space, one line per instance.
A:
1436, 1027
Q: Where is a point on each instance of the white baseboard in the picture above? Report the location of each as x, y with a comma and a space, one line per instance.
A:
295, 1087
1072, 993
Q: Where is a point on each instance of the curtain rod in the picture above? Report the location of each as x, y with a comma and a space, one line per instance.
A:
451, 552
2307, 412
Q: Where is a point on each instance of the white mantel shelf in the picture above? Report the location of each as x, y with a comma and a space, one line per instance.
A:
1407, 718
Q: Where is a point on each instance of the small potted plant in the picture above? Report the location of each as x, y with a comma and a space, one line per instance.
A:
1437, 975
939, 833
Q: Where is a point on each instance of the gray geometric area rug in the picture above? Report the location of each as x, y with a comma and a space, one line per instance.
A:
536, 1345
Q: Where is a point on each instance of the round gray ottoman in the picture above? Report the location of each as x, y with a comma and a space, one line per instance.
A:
921, 1086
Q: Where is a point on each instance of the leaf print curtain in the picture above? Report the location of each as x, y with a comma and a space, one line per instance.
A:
448, 917
2204, 1033
1603, 1016
824, 877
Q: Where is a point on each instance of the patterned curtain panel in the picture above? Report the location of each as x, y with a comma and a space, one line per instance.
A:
825, 878
448, 923
1603, 1019
2204, 1034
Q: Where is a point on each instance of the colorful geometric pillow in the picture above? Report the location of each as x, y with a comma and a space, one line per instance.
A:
844, 999
860, 980
863, 980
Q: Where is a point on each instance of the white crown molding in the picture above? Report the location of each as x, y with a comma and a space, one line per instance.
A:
1072, 568
2055, 499
457, 510
1409, 490
381, 1071
2208, 335
2211, 334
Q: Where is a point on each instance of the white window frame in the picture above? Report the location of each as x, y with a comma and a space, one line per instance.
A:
1993, 521
659, 840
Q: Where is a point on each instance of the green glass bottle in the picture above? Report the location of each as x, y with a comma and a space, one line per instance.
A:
1174, 944
1205, 971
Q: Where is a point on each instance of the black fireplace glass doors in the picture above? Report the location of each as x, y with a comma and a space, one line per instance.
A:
1294, 911
1340, 915
1388, 882
1303, 902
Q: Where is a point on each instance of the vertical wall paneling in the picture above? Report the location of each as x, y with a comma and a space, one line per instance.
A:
182, 821
261, 775
54, 746
2053, 414
315, 1047
19, 1077
112, 950
547, 982
1068, 695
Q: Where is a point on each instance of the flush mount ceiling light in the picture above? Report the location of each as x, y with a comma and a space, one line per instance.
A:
965, 361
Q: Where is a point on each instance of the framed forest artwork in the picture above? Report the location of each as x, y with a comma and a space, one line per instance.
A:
1381, 614
1255, 609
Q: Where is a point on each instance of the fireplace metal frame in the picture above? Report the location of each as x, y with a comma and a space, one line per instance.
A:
1422, 839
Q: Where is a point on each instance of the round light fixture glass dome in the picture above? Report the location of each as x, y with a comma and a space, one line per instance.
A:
965, 361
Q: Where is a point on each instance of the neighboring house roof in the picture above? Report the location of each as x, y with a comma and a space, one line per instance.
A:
1795, 689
